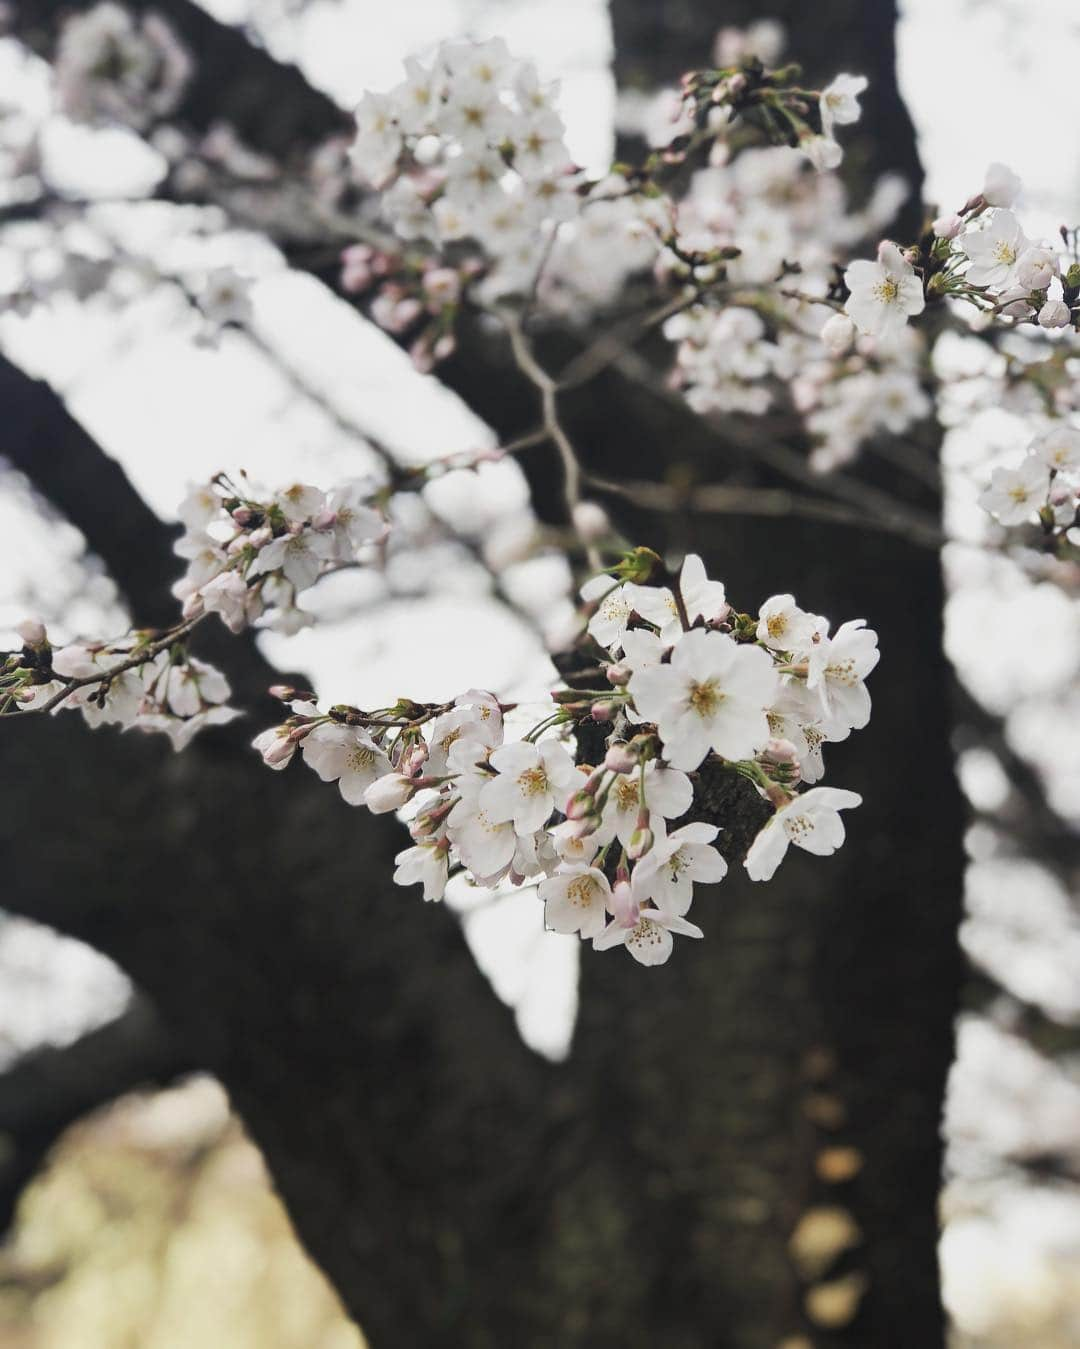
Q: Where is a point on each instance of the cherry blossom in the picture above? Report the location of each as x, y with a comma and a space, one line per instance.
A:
531, 780
649, 939
810, 821
678, 862
1016, 494
713, 694
884, 294
576, 899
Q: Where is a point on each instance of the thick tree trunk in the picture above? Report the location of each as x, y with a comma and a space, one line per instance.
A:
456, 1189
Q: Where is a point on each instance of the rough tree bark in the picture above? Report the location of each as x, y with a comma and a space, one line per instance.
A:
456, 1189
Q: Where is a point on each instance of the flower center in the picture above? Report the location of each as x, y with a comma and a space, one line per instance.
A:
533, 781
887, 290
1004, 252
676, 865
361, 758
843, 672
626, 794
776, 625
646, 933
705, 697
1019, 494
798, 827
580, 891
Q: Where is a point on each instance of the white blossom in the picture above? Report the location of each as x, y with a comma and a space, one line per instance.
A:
1016, 494
810, 820
426, 865
712, 695
576, 899
649, 940
669, 871
884, 294
668, 794
994, 246
346, 755
840, 102
1058, 448
531, 782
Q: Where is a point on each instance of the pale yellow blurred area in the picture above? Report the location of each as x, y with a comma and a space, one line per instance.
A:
154, 1226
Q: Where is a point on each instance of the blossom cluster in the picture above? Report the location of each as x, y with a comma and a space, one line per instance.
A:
250, 553
757, 344
143, 682
112, 66
979, 254
613, 846
1045, 487
470, 158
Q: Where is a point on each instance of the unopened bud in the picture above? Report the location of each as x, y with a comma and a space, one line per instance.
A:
623, 905
583, 827
618, 674
282, 692
413, 760
947, 226
279, 751
838, 334
603, 711
389, 793
620, 758
32, 631
193, 606
591, 521
1055, 314
641, 842
579, 805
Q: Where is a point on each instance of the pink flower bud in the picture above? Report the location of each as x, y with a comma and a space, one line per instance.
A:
588, 824
781, 754
620, 759
243, 515
413, 761
389, 793
276, 749
32, 631
641, 842
579, 805
603, 711
624, 907
618, 674
947, 226
282, 692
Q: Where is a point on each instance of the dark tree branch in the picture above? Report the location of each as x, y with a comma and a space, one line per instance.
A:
50, 1089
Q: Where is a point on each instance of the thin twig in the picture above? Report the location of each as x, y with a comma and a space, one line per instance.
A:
146, 653
548, 389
